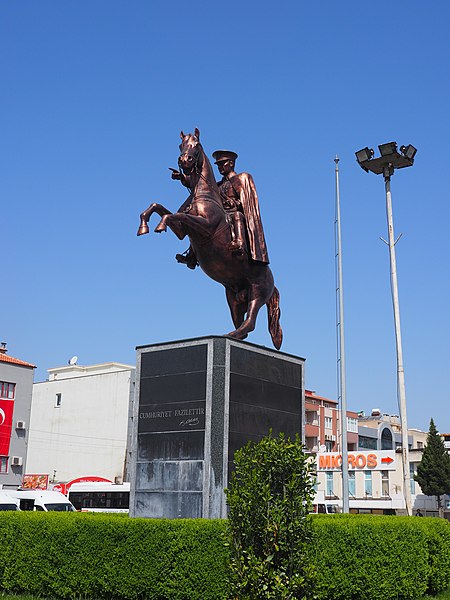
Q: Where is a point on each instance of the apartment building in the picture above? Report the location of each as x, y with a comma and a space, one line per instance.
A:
323, 425
16, 384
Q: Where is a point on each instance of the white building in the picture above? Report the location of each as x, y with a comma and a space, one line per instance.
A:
375, 481
79, 422
375, 471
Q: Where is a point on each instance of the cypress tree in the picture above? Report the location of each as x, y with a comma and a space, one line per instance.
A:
433, 472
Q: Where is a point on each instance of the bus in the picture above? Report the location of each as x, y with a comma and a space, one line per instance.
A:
326, 508
99, 496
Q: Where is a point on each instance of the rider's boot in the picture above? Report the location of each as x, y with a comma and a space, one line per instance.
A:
188, 258
238, 244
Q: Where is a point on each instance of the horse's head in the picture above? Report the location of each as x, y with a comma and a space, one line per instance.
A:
190, 160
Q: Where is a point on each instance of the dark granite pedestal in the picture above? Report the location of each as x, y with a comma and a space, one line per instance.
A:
197, 401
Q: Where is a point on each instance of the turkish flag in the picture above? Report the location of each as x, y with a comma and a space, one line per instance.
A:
6, 420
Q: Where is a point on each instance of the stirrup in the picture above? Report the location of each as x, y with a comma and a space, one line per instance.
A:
188, 258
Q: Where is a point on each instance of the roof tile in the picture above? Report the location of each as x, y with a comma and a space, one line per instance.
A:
15, 361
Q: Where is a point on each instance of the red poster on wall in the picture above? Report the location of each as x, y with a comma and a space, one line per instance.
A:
6, 419
35, 482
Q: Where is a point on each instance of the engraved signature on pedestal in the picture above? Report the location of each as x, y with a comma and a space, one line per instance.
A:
190, 422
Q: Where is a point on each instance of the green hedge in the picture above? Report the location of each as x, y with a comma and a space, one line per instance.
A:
371, 557
102, 556
106, 556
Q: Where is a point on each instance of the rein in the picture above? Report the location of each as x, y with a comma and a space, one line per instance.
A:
204, 195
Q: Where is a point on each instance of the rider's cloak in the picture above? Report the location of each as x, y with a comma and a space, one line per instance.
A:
250, 205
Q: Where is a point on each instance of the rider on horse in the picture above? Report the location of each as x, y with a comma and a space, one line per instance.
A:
240, 201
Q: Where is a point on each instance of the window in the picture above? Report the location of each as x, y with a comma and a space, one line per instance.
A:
328, 423
352, 424
311, 443
3, 464
329, 491
58, 399
352, 483
385, 483
412, 472
329, 446
312, 417
368, 483
100, 500
7, 390
367, 443
420, 445
386, 440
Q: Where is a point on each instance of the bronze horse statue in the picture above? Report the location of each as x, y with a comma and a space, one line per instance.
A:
248, 284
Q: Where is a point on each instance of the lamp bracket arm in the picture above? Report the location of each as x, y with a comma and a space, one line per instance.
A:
398, 239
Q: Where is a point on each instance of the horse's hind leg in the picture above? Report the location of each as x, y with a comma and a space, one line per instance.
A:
237, 308
252, 309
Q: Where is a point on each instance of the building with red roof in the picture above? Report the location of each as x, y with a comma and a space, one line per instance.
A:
16, 386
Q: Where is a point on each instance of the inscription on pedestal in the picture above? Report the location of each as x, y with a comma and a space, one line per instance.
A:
172, 417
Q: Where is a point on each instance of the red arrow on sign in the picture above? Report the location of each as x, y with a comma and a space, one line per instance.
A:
387, 459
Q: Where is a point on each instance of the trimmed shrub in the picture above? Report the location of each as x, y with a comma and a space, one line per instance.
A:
437, 532
370, 557
102, 556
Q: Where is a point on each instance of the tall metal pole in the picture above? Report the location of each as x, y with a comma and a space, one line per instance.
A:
401, 392
342, 398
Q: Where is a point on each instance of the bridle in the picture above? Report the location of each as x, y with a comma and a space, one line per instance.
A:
195, 167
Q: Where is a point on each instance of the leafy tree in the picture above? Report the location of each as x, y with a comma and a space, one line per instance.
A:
433, 472
270, 533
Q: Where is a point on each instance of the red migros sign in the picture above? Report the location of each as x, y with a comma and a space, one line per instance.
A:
377, 460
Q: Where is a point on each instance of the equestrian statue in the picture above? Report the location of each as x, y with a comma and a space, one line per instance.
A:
223, 224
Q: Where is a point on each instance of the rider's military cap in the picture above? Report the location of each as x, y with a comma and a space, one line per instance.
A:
221, 155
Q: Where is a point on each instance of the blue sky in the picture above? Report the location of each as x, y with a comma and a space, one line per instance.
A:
93, 97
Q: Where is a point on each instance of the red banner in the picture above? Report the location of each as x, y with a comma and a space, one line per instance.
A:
6, 419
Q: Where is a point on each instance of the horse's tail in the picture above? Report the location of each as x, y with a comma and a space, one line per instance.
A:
273, 316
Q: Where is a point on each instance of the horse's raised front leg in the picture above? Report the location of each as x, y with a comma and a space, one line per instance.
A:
145, 216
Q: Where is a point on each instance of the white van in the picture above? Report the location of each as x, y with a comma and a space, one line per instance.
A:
7, 502
42, 500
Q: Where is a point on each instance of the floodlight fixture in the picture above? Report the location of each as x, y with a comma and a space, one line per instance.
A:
388, 149
364, 154
389, 160
408, 151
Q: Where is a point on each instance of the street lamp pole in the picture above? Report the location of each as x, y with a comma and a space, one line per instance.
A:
401, 390
386, 164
